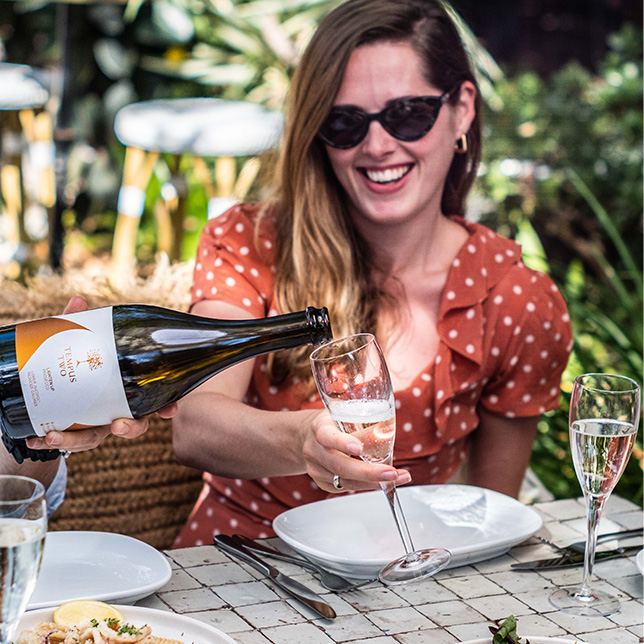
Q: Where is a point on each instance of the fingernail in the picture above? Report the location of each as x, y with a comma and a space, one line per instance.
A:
404, 479
354, 448
390, 475
54, 439
121, 429
36, 443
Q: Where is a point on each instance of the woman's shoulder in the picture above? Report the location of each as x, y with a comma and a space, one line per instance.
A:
500, 261
492, 270
480, 236
247, 226
234, 262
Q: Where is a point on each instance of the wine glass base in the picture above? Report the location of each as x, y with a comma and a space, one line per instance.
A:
571, 600
417, 565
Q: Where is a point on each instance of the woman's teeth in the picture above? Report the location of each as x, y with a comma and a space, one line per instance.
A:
388, 175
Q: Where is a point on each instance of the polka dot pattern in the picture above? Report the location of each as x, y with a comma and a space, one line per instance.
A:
495, 320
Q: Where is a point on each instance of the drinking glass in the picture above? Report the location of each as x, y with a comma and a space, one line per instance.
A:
23, 525
604, 417
353, 380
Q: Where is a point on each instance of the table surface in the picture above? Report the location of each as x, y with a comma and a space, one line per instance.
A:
454, 606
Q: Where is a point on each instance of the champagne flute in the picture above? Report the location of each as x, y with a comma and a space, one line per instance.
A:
604, 417
23, 525
354, 383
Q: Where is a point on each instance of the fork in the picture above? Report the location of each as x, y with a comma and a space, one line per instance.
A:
328, 579
580, 546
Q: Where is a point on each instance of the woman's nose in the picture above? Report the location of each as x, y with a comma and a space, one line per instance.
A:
378, 141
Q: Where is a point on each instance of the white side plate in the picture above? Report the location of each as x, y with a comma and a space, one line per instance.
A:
355, 534
163, 624
97, 565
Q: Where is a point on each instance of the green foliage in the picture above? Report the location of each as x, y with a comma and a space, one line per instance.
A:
563, 174
243, 49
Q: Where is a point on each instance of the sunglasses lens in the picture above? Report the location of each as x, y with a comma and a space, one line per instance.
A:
409, 120
344, 128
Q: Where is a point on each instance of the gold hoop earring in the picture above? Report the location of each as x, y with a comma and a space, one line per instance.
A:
460, 147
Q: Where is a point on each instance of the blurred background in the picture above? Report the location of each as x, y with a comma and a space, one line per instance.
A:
561, 173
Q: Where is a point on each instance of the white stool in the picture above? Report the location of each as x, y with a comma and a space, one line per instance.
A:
199, 127
22, 120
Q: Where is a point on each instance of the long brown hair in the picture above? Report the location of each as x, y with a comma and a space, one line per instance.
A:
321, 260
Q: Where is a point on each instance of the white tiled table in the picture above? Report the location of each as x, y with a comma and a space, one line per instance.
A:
454, 606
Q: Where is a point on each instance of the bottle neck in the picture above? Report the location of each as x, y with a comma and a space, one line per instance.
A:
319, 324
311, 326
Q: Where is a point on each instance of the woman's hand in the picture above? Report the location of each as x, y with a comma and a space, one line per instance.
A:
329, 452
86, 439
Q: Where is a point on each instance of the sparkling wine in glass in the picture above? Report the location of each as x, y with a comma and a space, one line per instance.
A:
23, 525
604, 417
353, 380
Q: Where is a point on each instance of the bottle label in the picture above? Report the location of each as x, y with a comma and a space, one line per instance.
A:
69, 371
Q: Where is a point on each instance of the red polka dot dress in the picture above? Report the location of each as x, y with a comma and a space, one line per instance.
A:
504, 342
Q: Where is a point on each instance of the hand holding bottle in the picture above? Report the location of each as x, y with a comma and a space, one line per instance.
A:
83, 370
86, 439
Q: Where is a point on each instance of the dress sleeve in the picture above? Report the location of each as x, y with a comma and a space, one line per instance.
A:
529, 344
229, 266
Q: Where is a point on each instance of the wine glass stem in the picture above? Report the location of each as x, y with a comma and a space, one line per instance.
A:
399, 517
594, 506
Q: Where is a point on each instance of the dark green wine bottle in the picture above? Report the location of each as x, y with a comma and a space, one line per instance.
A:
86, 369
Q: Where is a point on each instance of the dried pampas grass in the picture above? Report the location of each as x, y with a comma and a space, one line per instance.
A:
45, 295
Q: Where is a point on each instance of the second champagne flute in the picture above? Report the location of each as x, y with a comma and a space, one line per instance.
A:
604, 417
354, 384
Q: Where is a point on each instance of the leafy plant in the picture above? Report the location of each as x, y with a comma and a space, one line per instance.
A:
564, 166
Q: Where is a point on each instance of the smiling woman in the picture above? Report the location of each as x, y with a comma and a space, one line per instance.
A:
381, 145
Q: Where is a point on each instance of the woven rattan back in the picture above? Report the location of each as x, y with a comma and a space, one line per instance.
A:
132, 487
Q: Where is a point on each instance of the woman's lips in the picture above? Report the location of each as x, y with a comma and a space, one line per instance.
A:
386, 175
386, 180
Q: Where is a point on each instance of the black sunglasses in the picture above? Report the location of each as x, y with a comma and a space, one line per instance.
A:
406, 119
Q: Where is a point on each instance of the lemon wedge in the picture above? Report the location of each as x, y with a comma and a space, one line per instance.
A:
77, 610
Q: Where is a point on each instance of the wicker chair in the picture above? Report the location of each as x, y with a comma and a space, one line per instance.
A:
132, 487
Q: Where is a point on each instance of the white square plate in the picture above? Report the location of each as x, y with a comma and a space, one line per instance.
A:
355, 534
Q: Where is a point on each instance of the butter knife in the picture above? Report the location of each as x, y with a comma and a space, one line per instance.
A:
292, 587
570, 559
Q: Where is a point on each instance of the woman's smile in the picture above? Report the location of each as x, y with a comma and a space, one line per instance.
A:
387, 175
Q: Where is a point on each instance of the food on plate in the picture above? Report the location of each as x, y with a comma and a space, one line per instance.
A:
506, 633
88, 621
78, 610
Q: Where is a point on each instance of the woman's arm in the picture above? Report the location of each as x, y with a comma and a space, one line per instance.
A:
216, 432
499, 452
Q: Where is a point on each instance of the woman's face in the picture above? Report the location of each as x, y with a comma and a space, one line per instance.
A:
387, 180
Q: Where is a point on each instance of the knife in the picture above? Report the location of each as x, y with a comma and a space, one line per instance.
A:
580, 546
571, 559
294, 588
